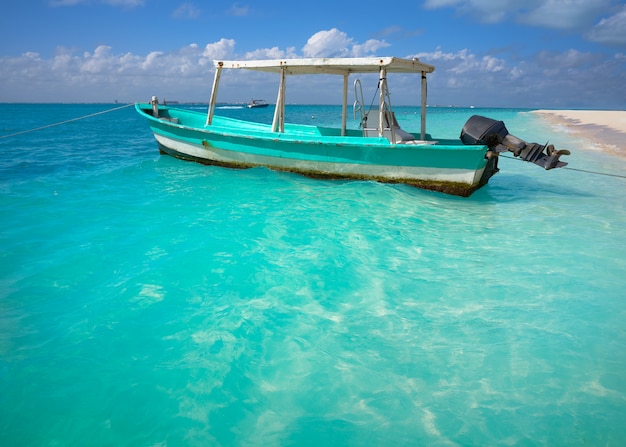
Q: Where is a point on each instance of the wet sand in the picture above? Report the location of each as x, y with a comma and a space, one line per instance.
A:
603, 128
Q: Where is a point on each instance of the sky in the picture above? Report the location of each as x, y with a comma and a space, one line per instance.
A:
487, 53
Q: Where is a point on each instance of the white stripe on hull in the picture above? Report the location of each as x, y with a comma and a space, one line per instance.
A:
466, 176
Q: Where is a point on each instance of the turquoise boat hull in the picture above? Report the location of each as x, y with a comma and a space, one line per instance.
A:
447, 166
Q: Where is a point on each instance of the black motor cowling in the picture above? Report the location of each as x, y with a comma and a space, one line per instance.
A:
494, 134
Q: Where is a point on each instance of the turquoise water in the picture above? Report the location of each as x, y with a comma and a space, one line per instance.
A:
147, 301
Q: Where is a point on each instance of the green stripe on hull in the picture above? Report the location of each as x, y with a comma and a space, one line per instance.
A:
301, 142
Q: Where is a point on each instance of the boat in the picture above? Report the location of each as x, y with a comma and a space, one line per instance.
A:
257, 103
379, 149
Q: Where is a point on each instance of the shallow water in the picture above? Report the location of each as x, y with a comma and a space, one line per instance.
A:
149, 301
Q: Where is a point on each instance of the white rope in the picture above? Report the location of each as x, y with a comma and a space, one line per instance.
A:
65, 122
572, 169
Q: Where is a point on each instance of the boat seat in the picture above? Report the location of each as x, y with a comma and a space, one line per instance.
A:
397, 136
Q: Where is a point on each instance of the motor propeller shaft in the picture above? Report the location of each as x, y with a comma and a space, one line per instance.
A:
494, 134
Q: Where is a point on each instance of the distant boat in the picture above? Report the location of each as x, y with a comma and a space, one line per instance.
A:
378, 150
257, 103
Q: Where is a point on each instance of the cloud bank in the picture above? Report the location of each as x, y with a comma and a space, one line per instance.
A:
571, 78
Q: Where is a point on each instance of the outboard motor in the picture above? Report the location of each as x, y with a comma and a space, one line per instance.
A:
493, 134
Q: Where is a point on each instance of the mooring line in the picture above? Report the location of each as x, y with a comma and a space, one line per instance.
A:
573, 169
65, 122
594, 172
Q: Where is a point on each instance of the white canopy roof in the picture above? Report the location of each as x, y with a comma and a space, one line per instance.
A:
341, 66
322, 65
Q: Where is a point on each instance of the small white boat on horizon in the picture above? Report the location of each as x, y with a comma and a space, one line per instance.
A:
257, 103
378, 150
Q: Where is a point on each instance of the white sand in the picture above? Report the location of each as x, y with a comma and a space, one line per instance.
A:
606, 128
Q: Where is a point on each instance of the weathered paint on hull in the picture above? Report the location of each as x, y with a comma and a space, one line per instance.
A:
457, 170
450, 182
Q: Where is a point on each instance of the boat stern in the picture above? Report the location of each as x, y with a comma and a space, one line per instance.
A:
494, 134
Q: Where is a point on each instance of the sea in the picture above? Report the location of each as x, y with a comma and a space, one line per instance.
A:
149, 301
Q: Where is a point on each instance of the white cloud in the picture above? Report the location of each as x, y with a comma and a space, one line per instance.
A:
546, 79
487, 11
567, 60
102, 74
31, 55
186, 11
394, 29
328, 43
564, 14
335, 43
220, 49
464, 61
570, 15
238, 10
151, 62
99, 61
463, 74
611, 30
271, 53
370, 47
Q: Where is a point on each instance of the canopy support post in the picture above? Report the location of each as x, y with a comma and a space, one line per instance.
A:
381, 101
216, 83
344, 109
424, 101
278, 123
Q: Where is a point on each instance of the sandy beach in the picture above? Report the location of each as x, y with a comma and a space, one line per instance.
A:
603, 128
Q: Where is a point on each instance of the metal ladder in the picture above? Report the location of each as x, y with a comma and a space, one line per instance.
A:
385, 103
358, 101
